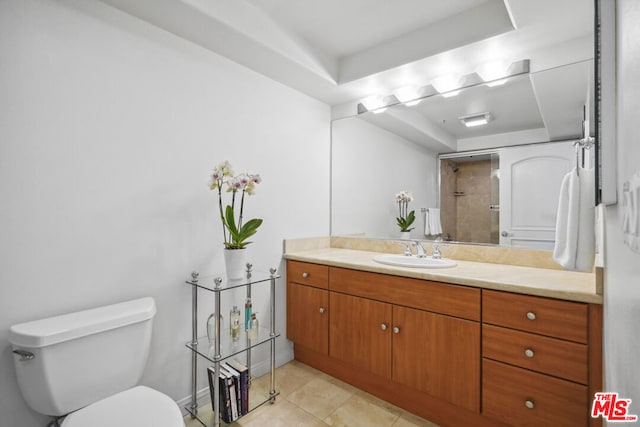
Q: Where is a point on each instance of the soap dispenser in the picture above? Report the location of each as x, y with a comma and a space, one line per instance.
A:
234, 320
247, 314
253, 331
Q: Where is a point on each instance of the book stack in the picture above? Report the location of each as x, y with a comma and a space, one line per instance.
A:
234, 390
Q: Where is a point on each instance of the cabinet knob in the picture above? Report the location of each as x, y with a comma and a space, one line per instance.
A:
531, 315
529, 404
321, 310
396, 330
529, 353
383, 326
305, 274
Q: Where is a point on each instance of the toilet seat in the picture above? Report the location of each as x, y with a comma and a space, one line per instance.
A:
139, 406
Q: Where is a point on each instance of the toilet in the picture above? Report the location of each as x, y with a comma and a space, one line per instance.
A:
86, 365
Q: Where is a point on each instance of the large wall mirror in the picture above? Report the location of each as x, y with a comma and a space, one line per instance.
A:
496, 183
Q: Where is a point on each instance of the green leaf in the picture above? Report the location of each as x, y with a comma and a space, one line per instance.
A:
230, 221
238, 237
405, 223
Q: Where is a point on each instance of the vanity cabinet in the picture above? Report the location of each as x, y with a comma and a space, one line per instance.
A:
307, 305
404, 330
538, 349
360, 333
454, 354
438, 355
429, 352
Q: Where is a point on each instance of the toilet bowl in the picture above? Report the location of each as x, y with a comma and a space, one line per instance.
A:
139, 406
85, 367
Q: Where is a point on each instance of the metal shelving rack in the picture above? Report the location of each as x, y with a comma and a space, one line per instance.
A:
224, 347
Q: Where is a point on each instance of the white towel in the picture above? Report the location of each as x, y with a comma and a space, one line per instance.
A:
630, 212
575, 223
432, 224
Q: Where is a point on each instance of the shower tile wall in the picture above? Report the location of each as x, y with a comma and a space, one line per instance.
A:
473, 214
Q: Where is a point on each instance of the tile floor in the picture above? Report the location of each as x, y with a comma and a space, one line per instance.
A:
310, 398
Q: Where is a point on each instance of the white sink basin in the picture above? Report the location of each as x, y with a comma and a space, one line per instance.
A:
400, 260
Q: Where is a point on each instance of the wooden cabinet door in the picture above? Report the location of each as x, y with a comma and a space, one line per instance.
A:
439, 355
308, 317
360, 333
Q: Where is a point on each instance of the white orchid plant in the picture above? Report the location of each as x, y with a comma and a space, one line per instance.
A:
235, 231
405, 218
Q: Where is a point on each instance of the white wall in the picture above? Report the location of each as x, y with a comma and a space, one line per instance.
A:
622, 272
370, 166
109, 128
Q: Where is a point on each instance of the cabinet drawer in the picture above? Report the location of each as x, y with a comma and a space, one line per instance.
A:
551, 356
452, 300
546, 316
308, 274
523, 398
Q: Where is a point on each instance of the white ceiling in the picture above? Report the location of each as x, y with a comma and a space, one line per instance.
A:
341, 51
342, 28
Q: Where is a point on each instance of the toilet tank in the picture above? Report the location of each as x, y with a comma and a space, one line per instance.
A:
82, 357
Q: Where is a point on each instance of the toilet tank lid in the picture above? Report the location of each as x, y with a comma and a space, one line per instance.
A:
53, 330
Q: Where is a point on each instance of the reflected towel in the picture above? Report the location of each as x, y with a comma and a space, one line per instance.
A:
432, 225
631, 212
575, 223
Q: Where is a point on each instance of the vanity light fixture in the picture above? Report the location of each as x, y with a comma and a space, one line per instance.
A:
494, 73
374, 103
408, 95
477, 119
446, 85
491, 74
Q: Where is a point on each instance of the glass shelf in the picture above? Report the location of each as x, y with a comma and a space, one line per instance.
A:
228, 347
258, 396
208, 282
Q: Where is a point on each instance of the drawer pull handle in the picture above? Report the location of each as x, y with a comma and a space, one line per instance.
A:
305, 274
531, 315
529, 404
396, 330
529, 353
383, 326
321, 310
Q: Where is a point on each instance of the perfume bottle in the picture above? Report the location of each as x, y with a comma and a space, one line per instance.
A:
212, 334
247, 314
234, 319
252, 333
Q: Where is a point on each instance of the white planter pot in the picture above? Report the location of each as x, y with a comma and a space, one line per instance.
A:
405, 235
235, 261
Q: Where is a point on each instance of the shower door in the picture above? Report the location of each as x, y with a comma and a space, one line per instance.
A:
530, 178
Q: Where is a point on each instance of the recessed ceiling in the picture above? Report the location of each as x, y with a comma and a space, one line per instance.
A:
341, 51
345, 27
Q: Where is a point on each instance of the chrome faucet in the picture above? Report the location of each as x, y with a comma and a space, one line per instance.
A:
436, 251
419, 249
407, 248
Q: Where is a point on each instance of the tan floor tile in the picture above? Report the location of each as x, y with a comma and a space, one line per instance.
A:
343, 385
361, 412
379, 402
292, 376
311, 398
409, 420
319, 397
281, 414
